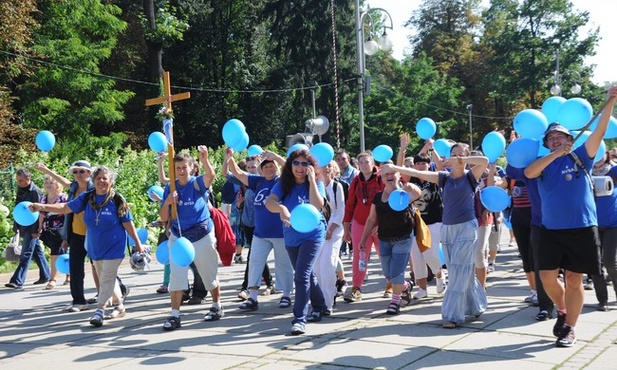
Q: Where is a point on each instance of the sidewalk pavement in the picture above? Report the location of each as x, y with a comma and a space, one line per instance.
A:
37, 332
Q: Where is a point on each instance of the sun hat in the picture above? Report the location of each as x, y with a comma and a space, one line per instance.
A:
80, 164
555, 126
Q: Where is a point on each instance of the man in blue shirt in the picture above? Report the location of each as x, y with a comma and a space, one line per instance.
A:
569, 236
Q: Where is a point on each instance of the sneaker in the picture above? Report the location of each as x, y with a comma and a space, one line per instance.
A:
78, 308
40, 281
529, 298
314, 316
172, 323
93, 300
441, 285
354, 295
195, 301
298, 328
566, 338
243, 295
588, 284
214, 314
162, 289
421, 293
602, 307
490, 268
13, 286
544, 315
534, 300
341, 286
125, 294
406, 294
388, 292
238, 259
249, 305
285, 302
561, 321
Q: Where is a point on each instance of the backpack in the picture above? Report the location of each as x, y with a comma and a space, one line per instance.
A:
225, 237
228, 193
345, 187
477, 202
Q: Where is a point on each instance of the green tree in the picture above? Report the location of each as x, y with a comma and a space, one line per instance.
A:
74, 36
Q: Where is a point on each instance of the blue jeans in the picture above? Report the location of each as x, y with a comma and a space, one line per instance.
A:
29, 247
394, 257
303, 259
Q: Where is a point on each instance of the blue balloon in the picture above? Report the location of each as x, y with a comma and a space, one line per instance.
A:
398, 200
45, 140
426, 128
255, 150
242, 144
583, 138
530, 123
521, 152
182, 252
162, 253
233, 132
493, 146
442, 257
142, 234
22, 214
494, 198
551, 106
156, 190
442, 147
323, 153
157, 142
295, 147
382, 153
611, 129
542, 151
305, 218
575, 113
62, 264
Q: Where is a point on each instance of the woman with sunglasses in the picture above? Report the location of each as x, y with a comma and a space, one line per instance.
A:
74, 229
298, 185
108, 220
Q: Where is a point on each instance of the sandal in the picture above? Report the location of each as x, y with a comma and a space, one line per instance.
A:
162, 289
285, 302
97, 319
449, 325
249, 305
269, 290
50, 285
172, 323
118, 311
393, 309
67, 281
214, 314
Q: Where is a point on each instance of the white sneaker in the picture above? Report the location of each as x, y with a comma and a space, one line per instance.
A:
491, 268
441, 285
421, 293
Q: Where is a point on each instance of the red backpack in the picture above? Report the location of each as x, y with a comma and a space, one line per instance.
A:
225, 237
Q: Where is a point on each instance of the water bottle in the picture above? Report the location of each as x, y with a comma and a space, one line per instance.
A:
362, 262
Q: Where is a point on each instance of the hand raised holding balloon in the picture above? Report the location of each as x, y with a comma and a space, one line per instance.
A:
404, 141
229, 152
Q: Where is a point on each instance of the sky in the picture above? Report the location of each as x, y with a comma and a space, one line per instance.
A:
600, 14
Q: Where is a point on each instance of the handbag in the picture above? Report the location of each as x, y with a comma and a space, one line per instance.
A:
422, 232
12, 252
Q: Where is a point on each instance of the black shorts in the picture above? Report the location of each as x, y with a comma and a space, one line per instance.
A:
52, 240
576, 250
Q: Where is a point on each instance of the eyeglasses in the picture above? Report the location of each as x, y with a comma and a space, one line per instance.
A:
300, 163
75, 172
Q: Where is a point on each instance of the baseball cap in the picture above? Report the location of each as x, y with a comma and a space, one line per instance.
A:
81, 164
555, 126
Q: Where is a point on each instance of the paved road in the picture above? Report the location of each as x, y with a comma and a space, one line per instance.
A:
37, 332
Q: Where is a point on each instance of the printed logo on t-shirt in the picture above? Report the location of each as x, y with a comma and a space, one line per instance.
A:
189, 202
302, 200
261, 197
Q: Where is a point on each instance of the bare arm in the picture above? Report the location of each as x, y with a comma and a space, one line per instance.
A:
130, 229
230, 165
160, 171
429, 176
60, 208
400, 157
271, 156
536, 167
273, 205
209, 174
593, 142
59, 179
479, 165
315, 196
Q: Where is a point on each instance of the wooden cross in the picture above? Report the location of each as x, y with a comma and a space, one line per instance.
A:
166, 100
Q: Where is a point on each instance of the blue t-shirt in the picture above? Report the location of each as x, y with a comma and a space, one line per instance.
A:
300, 195
458, 197
607, 205
567, 199
192, 207
532, 192
267, 224
106, 237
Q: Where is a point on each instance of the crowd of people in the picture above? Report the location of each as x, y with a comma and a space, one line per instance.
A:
560, 238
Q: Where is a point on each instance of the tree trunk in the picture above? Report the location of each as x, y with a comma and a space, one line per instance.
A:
155, 50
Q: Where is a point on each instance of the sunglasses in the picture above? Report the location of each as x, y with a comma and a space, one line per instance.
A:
75, 172
300, 163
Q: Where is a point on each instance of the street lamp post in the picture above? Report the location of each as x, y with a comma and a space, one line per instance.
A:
469, 108
557, 79
369, 47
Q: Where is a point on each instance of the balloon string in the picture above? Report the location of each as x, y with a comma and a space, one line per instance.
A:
584, 128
